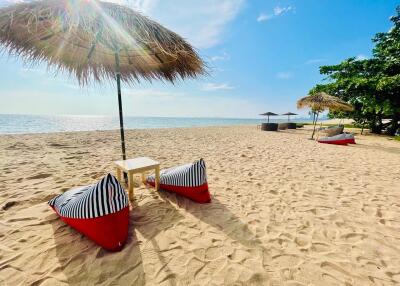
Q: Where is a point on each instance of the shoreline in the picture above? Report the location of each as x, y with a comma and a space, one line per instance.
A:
126, 130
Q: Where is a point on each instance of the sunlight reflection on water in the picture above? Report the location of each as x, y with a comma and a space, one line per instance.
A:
11, 123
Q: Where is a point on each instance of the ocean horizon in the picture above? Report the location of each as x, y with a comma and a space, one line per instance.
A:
27, 124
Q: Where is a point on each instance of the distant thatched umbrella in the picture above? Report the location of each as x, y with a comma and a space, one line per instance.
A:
268, 114
321, 101
97, 41
288, 115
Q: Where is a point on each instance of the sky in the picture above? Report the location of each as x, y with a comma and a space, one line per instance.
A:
262, 55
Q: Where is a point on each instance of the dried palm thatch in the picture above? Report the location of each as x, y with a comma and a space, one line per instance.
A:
87, 38
321, 101
289, 114
268, 114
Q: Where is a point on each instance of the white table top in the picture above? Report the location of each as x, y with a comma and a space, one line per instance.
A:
136, 163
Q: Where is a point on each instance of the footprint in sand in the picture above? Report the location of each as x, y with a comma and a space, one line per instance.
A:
331, 279
320, 247
354, 237
8, 205
239, 255
302, 241
213, 253
286, 260
57, 145
39, 176
16, 146
335, 269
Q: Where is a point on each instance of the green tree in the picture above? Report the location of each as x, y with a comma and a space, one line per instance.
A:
372, 86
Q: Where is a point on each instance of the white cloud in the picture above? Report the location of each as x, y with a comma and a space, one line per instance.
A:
278, 11
281, 10
361, 57
217, 86
264, 17
158, 95
203, 23
315, 61
222, 57
27, 71
284, 75
143, 6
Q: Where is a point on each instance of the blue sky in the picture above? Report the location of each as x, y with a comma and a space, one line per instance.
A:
263, 56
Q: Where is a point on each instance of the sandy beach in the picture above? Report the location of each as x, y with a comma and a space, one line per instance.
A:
285, 210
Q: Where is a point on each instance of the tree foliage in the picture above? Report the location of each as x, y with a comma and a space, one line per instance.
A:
372, 85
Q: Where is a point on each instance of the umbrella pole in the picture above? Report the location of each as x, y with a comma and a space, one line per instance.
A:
315, 125
121, 119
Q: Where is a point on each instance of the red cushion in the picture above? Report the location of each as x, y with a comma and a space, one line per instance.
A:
109, 231
335, 142
199, 194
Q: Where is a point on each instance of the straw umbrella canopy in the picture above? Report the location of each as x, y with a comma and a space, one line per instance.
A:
320, 101
288, 115
268, 114
96, 42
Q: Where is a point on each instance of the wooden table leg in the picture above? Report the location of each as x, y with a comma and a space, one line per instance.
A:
130, 185
119, 174
157, 178
143, 179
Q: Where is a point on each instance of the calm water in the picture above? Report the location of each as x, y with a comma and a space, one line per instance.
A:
12, 124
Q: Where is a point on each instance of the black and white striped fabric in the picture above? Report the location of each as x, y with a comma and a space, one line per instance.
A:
189, 175
105, 197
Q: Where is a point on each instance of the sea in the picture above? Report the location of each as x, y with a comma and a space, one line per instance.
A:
25, 124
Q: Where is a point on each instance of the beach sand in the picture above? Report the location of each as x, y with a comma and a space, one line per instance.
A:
285, 210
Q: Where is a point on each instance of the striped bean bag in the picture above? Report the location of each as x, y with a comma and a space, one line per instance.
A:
189, 180
340, 139
99, 211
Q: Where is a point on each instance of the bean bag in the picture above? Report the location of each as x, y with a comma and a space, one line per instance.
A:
340, 139
99, 211
350, 138
333, 130
189, 180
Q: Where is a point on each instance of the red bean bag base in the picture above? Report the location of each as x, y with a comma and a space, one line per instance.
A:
340, 139
99, 211
110, 231
199, 194
350, 138
334, 142
189, 180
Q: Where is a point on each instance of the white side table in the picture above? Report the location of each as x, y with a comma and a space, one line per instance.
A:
137, 165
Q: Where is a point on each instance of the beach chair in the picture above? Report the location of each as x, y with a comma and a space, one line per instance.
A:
332, 130
282, 126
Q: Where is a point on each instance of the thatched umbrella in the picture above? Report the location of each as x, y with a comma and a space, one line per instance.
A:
321, 101
288, 115
268, 114
97, 41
